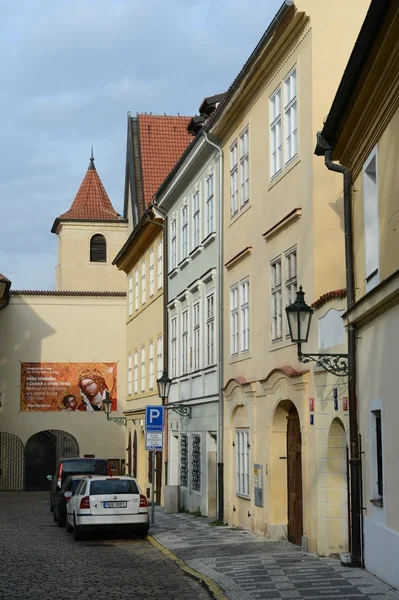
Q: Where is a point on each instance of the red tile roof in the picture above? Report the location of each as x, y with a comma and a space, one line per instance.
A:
91, 201
63, 293
163, 139
329, 296
3, 278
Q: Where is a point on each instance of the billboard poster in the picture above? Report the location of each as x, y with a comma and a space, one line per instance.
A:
67, 387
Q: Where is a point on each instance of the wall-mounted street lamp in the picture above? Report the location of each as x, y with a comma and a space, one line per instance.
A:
108, 408
164, 384
299, 316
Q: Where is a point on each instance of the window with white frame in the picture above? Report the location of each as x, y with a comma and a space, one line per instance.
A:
210, 330
159, 357
234, 320
244, 167
377, 457
242, 462
234, 179
276, 300
143, 270
173, 245
290, 116
244, 315
371, 221
184, 232
196, 336
136, 372
129, 374
210, 205
130, 296
173, 346
290, 279
152, 272
184, 334
275, 133
196, 220
143, 369
136, 289
160, 263
151, 366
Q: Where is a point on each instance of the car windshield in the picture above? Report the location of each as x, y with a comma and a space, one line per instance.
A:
85, 466
113, 486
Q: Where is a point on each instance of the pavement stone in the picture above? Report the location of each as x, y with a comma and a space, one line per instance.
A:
251, 567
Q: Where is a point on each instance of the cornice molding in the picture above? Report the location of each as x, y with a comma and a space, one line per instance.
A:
286, 221
238, 257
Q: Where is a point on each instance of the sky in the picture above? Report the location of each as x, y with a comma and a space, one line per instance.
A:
70, 72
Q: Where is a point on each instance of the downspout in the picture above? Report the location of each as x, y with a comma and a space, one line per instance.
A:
219, 290
355, 456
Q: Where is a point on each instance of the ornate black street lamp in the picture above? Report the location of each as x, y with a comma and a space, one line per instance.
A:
164, 384
299, 316
108, 408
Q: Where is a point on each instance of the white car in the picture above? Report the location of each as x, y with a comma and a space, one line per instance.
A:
101, 502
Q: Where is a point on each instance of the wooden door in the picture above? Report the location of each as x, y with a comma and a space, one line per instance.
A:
294, 478
134, 458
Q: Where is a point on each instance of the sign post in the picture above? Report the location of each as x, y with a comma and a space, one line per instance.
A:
154, 422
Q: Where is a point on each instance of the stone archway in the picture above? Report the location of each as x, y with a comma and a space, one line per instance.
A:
337, 488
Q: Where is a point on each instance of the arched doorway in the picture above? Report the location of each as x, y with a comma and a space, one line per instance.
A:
11, 463
294, 478
337, 481
42, 451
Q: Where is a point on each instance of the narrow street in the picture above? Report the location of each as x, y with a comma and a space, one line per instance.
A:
41, 561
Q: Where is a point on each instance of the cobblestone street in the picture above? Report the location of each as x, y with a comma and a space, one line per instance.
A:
41, 561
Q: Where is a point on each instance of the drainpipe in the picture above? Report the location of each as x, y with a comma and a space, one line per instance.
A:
219, 289
355, 456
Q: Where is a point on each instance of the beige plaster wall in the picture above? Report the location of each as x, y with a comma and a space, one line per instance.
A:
62, 329
74, 271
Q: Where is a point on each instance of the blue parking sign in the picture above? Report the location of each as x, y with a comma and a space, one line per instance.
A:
154, 416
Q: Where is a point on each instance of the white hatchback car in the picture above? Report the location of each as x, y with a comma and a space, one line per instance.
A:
101, 502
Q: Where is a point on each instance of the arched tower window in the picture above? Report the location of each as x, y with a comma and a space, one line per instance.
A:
98, 248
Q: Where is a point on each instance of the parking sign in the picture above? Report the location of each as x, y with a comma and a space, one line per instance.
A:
154, 416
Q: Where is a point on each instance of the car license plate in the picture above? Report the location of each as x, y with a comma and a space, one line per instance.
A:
115, 504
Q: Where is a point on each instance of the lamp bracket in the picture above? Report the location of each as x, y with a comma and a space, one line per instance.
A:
182, 411
118, 420
337, 364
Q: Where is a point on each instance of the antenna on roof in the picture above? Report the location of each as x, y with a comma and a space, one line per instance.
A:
91, 165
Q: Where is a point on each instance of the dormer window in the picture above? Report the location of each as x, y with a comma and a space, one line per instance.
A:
98, 248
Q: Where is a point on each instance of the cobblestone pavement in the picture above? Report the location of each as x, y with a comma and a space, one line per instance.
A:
40, 561
249, 567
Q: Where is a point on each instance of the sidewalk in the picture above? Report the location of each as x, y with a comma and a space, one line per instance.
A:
249, 567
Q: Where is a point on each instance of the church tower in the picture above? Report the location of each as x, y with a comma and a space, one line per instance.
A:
90, 235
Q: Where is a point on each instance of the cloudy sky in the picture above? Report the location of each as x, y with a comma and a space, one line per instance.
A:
70, 71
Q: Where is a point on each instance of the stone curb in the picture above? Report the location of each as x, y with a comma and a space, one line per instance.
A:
209, 583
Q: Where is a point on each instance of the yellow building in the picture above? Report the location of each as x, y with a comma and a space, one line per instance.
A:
361, 131
282, 226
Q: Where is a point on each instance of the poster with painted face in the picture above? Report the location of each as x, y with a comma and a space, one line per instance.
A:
67, 387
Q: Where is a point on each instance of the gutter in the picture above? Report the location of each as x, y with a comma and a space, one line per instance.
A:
219, 288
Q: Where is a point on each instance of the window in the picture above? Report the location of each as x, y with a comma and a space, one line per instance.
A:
196, 463
160, 263
183, 460
242, 462
159, 356
143, 282
129, 375
196, 220
244, 168
152, 272
290, 280
234, 319
210, 330
377, 456
210, 209
184, 332
233, 179
371, 221
184, 232
98, 248
151, 369
173, 353
276, 300
173, 245
197, 336
130, 295
290, 116
136, 289
143, 369
244, 302
136, 373
275, 133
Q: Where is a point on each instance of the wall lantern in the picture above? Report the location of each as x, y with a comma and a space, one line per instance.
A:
108, 409
299, 316
164, 385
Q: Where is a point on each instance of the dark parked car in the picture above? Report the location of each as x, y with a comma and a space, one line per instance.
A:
63, 496
76, 466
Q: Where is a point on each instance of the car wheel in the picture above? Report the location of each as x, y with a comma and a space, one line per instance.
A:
142, 532
68, 527
77, 533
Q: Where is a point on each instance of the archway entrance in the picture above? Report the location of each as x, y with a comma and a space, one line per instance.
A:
42, 451
337, 481
294, 477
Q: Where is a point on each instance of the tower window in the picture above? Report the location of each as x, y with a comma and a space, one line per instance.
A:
98, 248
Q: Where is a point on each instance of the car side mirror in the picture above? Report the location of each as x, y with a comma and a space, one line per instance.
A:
68, 496
49, 478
